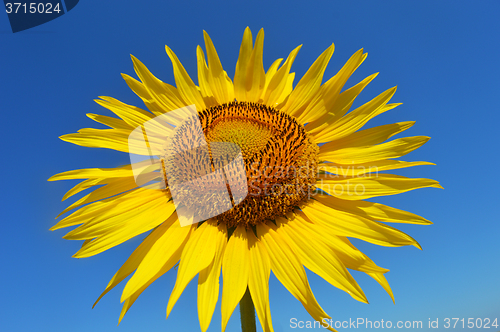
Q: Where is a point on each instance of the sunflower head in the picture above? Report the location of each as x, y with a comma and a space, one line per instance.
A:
280, 170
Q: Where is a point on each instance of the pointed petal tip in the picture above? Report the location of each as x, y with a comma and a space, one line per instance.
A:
362, 299
169, 310
329, 51
52, 178
168, 49
80, 253
425, 138
67, 238
134, 59
100, 297
124, 297
122, 314
206, 36
392, 297
260, 34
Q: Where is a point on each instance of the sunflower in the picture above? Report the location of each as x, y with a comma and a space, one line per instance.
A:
308, 168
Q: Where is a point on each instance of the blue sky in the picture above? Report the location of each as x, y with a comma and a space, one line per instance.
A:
442, 55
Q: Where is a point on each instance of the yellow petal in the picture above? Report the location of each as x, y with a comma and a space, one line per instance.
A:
338, 107
164, 269
240, 75
308, 85
110, 121
317, 258
196, 256
277, 89
373, 211
108, 236
369, 167
157, 106
255, 75
208, 281
89, 183
115, 139
161, 252
258, 281
221, 85
187, 89
235, 271
94, 173
164, 95
288, 269
348, 254
205, 89
103, 208
270, 74
349, 225
135, 258
133, 116
366, 154
330, 91
99, 173
380, 278
124, 208
335, 84
371, 136
111, 188
357, 118
283, 98
363, 187
377, 275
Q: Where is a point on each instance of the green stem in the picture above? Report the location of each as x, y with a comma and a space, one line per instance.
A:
247, 313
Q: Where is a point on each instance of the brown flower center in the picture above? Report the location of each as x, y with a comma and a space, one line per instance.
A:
279, 161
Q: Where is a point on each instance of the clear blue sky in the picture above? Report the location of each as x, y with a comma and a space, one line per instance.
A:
443, 55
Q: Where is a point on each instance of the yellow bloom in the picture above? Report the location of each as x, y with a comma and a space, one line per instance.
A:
278, 127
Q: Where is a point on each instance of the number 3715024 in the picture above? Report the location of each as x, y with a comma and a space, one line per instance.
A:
470, 323
31, 8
